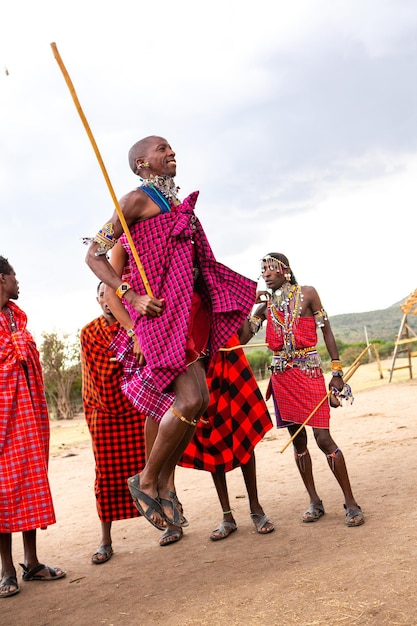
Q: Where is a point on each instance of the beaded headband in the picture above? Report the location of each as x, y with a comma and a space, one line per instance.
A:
269, 258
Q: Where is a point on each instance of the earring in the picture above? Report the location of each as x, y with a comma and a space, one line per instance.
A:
287, 277
145, 164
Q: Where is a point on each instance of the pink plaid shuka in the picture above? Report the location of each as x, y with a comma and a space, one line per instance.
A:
169, 246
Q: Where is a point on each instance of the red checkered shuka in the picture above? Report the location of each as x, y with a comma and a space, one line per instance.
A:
116, 427
236, 419
167, 252
296, 394
25, 496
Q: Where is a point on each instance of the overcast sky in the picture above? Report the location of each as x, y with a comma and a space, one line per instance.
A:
296, 121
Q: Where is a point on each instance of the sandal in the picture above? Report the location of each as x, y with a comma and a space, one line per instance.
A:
103, 554
262, 523
351, 513
153, 504
9, 581
54, 573
224, 530
314, 512
177, 503
171, 535
176, 513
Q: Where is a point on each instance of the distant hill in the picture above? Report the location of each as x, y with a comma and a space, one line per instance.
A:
383, 324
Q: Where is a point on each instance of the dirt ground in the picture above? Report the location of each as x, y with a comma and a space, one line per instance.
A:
309, 574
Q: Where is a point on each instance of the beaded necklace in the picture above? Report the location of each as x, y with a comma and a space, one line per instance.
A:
10, 317
165, 187
287, 301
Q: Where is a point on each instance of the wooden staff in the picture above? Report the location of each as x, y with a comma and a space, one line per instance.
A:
352, 369
243, 345
103, 168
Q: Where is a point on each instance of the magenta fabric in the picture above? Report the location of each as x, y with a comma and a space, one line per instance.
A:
169, 246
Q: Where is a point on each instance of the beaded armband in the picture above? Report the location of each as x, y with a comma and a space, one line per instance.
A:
122, 289
105, 239
131, 333
320, 317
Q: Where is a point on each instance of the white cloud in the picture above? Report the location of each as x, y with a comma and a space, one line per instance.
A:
296, 121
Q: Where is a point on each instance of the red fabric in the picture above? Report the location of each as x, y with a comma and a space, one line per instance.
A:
168, 254
236, 419
116, 427
296, 394
25, 496
198, 330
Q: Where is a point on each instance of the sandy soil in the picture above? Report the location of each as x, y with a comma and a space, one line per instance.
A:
310, 574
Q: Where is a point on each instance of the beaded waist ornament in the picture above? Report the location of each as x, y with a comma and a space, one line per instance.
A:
305, 359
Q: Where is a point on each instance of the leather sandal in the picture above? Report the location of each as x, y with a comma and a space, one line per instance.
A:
224, 530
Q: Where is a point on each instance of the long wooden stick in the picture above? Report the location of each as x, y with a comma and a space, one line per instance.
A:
352, 369
243, 345
103, 168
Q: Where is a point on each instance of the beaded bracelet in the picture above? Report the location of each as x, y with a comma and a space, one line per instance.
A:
255, 323
131, 333
337, 367
122, 289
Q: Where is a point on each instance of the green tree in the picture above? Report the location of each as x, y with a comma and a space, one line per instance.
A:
259, 361
60, 357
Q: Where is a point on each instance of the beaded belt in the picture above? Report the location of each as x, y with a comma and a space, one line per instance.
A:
304, 358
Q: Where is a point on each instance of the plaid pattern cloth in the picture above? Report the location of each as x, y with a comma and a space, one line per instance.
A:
295, 393
236, 419
164, 245
25, 496
116, 427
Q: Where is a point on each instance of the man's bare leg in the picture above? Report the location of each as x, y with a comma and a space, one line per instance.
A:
228, 524
31, 558
262, 524
305, 468
337, 464
8, 569
105, 550
174, 434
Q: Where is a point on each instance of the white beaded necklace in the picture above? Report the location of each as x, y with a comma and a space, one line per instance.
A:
165, 185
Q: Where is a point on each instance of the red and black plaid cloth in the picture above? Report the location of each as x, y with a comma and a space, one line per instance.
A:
25, 497
236, 419
295, 393
165, 248
116, 427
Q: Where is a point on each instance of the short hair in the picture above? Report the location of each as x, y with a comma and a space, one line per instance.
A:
137, 151
5, 267
98, 287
